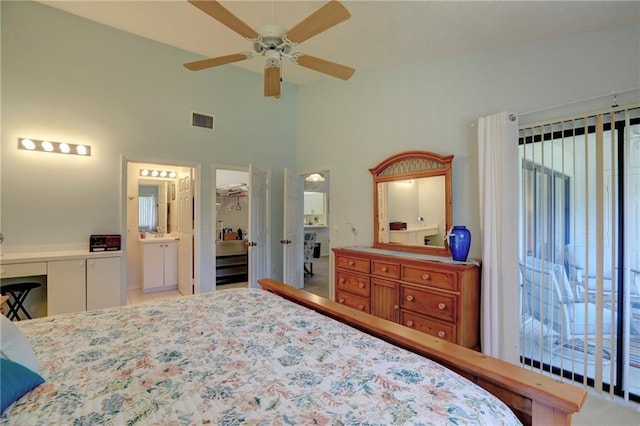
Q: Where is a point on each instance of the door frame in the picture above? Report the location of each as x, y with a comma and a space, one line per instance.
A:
331, 228
214, 215
197, 226
214, 212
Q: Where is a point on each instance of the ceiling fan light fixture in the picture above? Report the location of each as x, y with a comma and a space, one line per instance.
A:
315, 177
274, 42
273, 59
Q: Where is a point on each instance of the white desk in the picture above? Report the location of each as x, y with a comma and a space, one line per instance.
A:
76, 280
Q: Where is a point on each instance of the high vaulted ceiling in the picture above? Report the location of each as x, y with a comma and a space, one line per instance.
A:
380, 34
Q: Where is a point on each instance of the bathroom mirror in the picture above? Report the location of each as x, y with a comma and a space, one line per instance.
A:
152, 206
412, 202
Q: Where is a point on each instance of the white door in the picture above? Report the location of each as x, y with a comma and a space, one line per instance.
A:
292, 243
185, 233
258, 226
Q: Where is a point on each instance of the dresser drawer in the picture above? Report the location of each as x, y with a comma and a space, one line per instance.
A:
15, 270
429, 326
429, 276
354, 283
430, 303
352, 301
385, 269
357, 264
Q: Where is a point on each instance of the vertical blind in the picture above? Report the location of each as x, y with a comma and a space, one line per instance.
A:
579, 248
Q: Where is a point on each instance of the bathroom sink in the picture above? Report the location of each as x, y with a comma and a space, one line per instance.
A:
152, 238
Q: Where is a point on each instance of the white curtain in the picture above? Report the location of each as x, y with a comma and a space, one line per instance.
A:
498, 170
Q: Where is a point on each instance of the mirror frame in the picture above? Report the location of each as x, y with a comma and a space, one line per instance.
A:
413, 165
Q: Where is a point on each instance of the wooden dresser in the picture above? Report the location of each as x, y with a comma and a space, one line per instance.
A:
440, 298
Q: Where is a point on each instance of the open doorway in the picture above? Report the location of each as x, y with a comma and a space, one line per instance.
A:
316, 245
160, 234
232, 224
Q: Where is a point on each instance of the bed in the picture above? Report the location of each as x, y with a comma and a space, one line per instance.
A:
238, 356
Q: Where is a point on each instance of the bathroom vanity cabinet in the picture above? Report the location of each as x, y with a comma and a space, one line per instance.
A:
440, 298
159, 265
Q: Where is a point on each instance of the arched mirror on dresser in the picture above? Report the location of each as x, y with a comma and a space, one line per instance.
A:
412, 208
408, 276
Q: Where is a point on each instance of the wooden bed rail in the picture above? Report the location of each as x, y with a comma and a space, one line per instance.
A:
534, 398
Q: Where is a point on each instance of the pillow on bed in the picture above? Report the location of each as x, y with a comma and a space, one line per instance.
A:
16, 381
14, 346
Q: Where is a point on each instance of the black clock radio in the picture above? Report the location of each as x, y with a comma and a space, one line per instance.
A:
111, 242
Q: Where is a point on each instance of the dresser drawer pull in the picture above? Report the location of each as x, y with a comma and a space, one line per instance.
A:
384, 269
361, 285
361, 307
341, 300
441, 334
351, 263
425, 276
341, 280
441, 306
409, 323
396, 307
410, 298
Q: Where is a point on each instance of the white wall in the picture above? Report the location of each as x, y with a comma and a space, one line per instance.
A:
65, 78
352, 126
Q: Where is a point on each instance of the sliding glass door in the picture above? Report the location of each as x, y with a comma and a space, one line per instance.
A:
580, 249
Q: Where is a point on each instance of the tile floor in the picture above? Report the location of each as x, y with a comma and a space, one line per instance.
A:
136, 296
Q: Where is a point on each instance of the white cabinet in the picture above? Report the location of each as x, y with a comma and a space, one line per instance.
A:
82, 284
66, 286
103, 283
159, 266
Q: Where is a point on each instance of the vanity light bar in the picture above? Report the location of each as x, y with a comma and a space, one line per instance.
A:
54, 147
158, 173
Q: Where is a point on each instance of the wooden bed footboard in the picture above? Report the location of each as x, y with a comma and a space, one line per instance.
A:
534, 398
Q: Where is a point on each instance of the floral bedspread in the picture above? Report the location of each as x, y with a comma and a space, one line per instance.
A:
235, 356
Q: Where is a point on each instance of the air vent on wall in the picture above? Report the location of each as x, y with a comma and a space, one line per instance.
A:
201, 120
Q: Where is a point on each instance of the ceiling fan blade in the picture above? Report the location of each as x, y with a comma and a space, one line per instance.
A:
272, 82
327, 67
214, 62
222, 15
322, 19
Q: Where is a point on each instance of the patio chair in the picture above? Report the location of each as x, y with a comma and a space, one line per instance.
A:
309, 245
550, 298
575, 264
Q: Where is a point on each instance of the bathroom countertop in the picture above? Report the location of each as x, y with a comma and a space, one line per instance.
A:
153, 239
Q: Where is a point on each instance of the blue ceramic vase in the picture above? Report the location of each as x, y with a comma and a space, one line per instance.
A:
459, 242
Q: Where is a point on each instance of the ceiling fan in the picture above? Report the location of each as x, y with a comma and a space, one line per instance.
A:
274, 42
